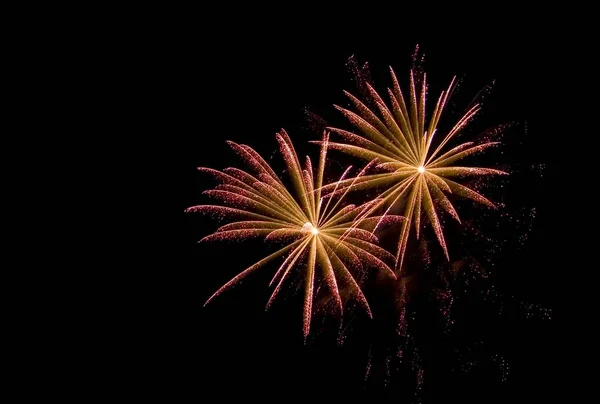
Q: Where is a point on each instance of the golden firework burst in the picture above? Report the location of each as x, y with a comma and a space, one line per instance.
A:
320, 233
398, 139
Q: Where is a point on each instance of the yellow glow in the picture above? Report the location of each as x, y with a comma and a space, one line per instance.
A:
421, 169
308, 226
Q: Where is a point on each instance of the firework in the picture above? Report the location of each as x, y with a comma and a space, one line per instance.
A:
419, 172
318, 234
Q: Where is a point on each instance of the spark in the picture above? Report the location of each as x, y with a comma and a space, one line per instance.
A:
420, 172
316, 234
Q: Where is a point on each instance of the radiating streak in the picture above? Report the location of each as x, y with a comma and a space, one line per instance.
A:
250, 225
353, 284
358, 151
241, 201
379, 202
310, 284
249, 270
285, 268
320, 172
373, 134
329, 274
283, 234
337, 183
267, 189
358, 233
237, 234
442, 200
365, 169
362, 142
462, 154
227, 211
433, 219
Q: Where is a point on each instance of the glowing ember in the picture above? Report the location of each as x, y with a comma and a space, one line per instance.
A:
308, 226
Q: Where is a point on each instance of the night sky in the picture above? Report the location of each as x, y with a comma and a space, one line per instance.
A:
246, 87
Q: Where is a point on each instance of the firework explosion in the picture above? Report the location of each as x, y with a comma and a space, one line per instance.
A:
321, 234
402, 142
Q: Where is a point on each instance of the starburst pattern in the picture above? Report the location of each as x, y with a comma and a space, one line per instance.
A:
419, 172
318, 234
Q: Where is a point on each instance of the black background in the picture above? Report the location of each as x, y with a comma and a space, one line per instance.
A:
244, 83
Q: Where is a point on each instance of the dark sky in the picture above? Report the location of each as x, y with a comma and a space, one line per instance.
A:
244, 86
